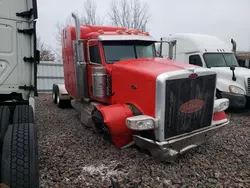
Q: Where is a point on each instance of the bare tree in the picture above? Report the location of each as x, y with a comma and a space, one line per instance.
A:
129, 13
60, 26
46, 54
89, 17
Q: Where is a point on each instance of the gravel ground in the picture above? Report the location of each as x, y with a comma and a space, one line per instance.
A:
73, 156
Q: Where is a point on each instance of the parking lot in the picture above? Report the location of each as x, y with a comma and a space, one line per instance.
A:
73, 156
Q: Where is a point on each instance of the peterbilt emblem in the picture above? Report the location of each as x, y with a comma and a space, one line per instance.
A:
192, 106
193, 76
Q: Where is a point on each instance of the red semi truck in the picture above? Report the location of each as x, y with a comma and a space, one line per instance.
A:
114, 78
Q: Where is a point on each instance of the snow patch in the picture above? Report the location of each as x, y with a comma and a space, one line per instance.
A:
104, 171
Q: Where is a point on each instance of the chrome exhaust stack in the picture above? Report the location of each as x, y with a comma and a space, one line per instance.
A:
234, 46
80, 62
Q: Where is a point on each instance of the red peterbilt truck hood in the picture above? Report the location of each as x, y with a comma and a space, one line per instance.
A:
134, 81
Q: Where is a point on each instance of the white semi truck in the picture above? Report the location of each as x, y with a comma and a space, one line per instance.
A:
233, 81
18, 67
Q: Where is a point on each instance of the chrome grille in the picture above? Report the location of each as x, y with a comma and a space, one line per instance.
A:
180, 91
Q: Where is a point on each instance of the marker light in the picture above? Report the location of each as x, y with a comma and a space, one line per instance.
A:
128, 31
136, 31
141, 123
119, 31
101, 31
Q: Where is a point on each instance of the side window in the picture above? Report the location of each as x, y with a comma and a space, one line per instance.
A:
195, 60
95, 54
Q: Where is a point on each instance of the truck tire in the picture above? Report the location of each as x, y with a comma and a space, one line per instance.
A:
4, 121
62, 103
100, 127
23, 114
54, 93
20, 157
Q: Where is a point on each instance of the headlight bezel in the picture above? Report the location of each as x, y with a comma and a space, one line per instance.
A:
233, 89
139, 123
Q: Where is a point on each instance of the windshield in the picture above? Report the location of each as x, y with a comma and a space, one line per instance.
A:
220, 60
122, 50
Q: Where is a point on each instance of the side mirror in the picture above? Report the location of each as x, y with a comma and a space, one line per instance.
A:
232, 68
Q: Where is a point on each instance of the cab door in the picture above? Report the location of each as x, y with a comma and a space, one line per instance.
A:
94, 61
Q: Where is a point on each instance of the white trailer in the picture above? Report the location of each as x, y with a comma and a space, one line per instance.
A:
233, 81
18, 67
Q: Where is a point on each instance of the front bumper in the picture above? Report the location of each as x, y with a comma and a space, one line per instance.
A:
248, 102
168, 150
235, 100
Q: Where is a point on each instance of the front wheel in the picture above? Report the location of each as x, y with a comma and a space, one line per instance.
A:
100, 127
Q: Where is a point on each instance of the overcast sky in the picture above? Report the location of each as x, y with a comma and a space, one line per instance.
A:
225, 19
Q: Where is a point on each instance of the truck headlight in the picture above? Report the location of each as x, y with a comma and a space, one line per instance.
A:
141, 123
221, 105
237, 90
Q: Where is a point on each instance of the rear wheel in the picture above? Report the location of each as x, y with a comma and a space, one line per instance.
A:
54, 93
54, 97
23, 114
4, 121
61, 103
57, 99
20, 157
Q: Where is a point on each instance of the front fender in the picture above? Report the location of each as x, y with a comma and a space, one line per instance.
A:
223, 83
115, 118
